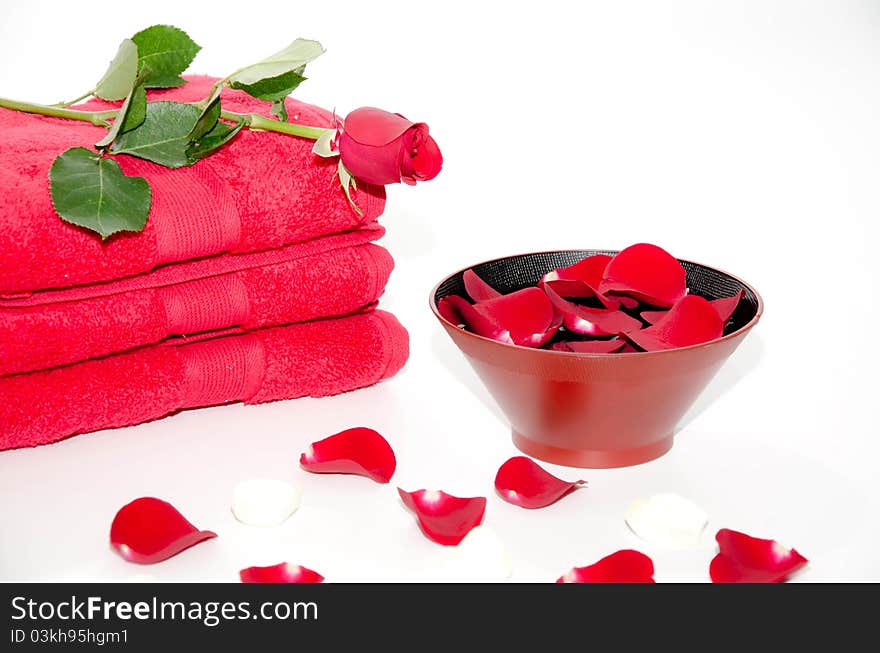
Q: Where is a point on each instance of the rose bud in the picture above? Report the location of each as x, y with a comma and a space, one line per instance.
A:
378, 147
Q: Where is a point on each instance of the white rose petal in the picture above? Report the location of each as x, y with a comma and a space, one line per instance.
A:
669, 520
264, 501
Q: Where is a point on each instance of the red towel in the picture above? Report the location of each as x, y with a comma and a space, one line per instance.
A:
311, 359
296, 283
262, 191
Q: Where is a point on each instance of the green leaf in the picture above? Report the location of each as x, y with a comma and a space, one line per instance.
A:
279, 110
219, 136
164, 135
346, 179
273, 89
117, 81
208, 117
137, 110
291, 59
123, 116
93, 192
167, 51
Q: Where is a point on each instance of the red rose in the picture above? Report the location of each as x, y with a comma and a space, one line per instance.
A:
382, 148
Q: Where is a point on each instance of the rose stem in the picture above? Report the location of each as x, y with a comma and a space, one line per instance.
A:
98, 118
261, 123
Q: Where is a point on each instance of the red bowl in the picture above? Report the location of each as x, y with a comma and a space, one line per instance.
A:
595, 410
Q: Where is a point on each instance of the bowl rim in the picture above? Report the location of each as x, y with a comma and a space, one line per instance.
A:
578, 354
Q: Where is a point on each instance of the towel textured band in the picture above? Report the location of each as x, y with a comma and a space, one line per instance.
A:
318, 358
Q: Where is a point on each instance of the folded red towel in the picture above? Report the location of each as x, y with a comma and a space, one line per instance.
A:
282, 286
263, 190
318, 358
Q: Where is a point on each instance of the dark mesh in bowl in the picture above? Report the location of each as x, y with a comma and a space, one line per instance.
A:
517, 272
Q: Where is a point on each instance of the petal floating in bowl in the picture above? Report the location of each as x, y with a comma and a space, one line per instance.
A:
448, 309
590, 321
626, 566
478, 289
580, 290
581, 280
691, 321
725, 307
444, 518
646, 272
280, 573
524, 483
458, 310
525, 317
651, 317
626, 302
589, 270
149, 530
357, 450
745, 559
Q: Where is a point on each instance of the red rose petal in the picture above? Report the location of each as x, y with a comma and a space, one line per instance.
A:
568, 288
478, 289
626, 302
590, 321
627, 566
280, 573
447, 307
359, 450
426, 159
581, 280
745, 559
579, 289
590, 346
374, 126
420, 158
691, 321
458, 310
525, 317
588, 270
646, 272
725, 307
479, 323
443, 518
524, 483
651, 317
150, 530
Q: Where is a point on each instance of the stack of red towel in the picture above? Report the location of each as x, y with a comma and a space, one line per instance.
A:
253, 281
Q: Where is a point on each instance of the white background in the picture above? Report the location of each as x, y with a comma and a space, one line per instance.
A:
740, 134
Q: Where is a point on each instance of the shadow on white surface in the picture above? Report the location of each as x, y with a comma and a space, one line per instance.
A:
745, 359
456, 364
